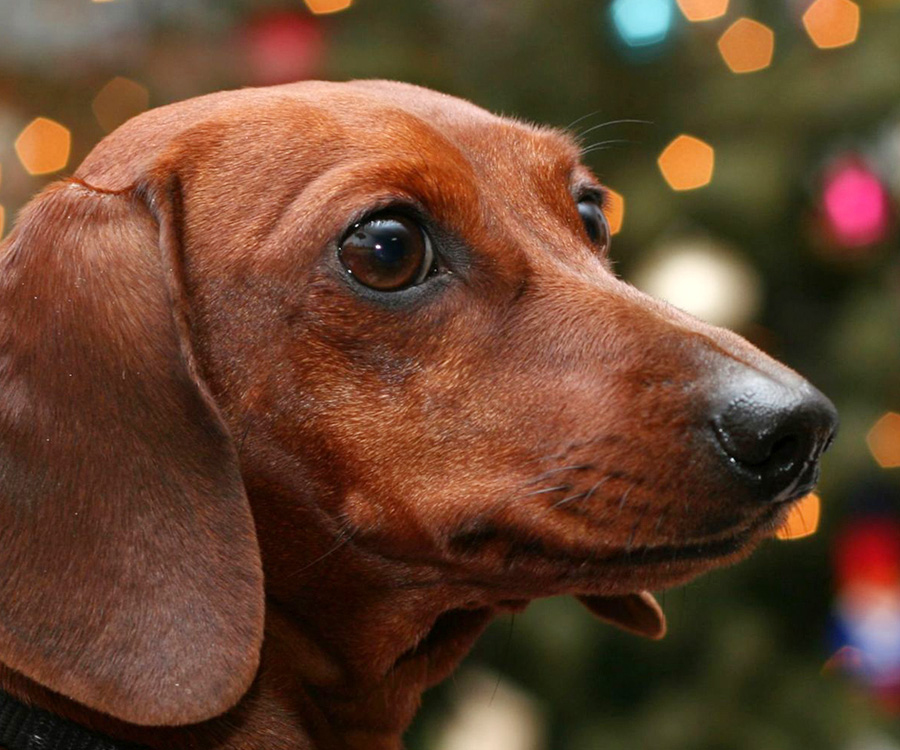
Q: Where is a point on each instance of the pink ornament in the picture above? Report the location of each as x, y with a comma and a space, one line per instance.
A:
855, 205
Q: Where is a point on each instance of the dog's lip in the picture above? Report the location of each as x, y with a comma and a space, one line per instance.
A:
702, 550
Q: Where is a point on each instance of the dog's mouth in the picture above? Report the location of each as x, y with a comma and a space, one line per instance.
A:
639, 613
702, 551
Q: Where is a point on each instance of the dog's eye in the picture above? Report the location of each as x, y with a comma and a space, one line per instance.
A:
387, 253
595, 223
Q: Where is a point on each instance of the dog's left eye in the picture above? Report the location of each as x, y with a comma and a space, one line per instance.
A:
388, 253
595, 223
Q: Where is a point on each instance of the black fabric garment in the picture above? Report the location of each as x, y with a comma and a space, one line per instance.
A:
25, 727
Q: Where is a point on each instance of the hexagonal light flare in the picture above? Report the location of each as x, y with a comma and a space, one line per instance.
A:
703, 10
322, 7
747, 46
884, 441
641, 23
44, 146
803, 518
614, 210
832, 23
687, 163
119, 100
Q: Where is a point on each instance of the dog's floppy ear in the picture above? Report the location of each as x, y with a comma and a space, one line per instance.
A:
130, 578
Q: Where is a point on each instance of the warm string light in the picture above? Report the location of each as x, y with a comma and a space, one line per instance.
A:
43, 146
614, 211
832, 23
883, 441
803, 518
747, 46
323, 7
687, 163
119, 100
703, 10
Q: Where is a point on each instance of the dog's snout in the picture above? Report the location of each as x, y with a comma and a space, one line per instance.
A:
773, 433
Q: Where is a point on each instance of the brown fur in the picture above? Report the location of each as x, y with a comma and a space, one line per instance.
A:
179, 350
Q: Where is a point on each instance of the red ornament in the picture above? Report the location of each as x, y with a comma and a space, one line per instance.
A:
868, 552
283, 47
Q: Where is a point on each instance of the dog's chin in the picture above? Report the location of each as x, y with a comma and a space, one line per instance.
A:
627, 602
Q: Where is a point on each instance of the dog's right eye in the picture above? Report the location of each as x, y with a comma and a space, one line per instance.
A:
595, 223
388, 253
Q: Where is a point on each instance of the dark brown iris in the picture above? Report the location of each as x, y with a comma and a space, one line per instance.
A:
595, 223
388, 253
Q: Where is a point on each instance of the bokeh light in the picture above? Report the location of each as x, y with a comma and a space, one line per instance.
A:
687, 163
855, 204
641, 23
884, 441
868, 551
704, 278
614, 210
832, 23
867, 612
747, 46
803, 519
2, 221
43, 146
119, 100
703, 10
322, 7
282, 47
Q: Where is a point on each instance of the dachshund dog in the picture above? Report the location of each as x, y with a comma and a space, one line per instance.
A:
301, 386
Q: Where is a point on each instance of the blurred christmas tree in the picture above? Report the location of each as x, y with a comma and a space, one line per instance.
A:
777, 215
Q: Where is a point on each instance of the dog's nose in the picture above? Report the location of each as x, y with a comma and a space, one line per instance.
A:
773, 433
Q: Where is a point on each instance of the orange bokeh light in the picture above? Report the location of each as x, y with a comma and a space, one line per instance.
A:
832, 23
2, 220
703, 10
614, 210
43, 146
803, 519
747, 46
119, 100
687, 163
321, 7
884, 441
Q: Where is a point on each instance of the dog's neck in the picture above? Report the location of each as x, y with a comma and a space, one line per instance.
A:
361, 687
345, 675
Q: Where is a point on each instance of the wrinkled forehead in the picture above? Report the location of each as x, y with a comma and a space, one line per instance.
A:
358, 121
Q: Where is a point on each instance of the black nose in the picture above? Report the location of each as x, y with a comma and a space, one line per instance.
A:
773, 433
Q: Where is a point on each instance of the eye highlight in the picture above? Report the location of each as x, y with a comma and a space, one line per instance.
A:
388, 252
595, 223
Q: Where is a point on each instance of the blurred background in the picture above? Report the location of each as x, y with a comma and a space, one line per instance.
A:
753, 147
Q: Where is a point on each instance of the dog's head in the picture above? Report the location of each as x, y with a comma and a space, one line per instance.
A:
402, 310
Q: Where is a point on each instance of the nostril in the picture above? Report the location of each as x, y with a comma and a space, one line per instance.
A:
772, 434
785, 451
762, 449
